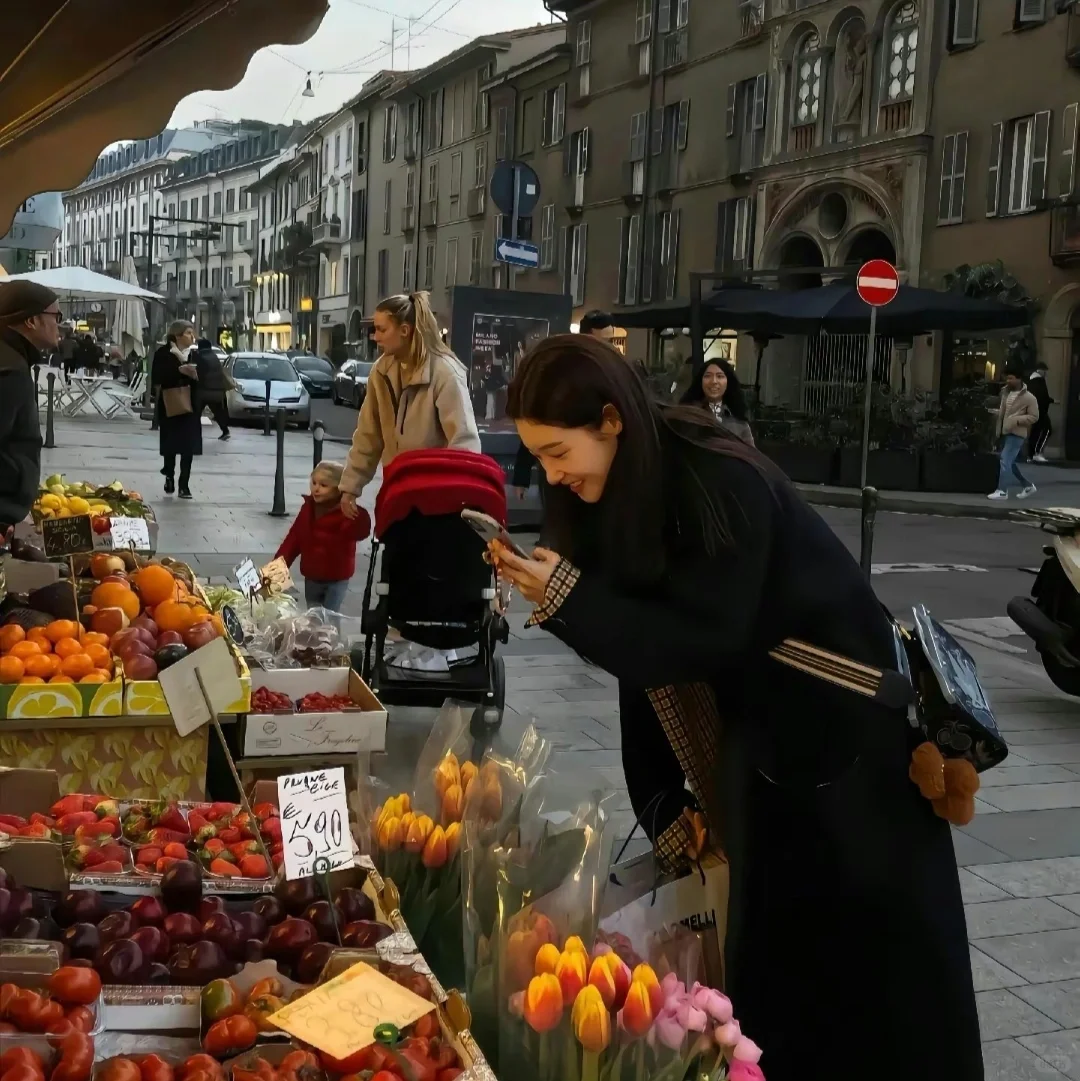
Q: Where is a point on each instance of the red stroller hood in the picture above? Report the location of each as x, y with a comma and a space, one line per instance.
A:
439, 482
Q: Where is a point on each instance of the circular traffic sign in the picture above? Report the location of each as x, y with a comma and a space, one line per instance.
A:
507, 176
877, 282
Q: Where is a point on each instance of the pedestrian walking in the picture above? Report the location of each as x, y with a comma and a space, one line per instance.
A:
719, 391
1042, 429
213, 385
417, 395
679, 558
29, 324
178, 416
325, 540
87, 355
1017, 412
68, 351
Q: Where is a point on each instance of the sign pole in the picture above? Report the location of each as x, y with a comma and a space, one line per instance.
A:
514, 222
870, 339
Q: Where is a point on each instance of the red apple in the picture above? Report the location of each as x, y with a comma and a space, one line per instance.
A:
170, 638
146, 637
199, 634
132, 647
147, 624
140, 667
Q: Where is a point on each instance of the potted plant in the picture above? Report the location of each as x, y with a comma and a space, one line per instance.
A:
893, 460
957, 452
804, 448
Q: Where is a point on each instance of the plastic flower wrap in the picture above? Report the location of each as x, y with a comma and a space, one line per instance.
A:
619, 1023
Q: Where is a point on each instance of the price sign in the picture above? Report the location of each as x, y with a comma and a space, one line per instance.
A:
130, 531
67, 536
314, 821
340, 1016
276, 572
248, 578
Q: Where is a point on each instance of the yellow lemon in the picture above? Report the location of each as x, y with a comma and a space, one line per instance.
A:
63, 512
108, 700
48, 512
55, 700
49, 501
144, 698
78, 505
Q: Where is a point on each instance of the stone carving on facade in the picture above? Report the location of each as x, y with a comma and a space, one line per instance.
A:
775, 197
849, 101
889, 177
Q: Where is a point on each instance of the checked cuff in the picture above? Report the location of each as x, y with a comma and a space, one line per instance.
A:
562, 581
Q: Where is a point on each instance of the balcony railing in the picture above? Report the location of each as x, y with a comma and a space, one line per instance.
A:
633, 181
675, 49
895, 116
751, 19
1065, 236
476, 204
326, 232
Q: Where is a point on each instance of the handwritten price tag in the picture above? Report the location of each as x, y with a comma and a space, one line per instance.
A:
340, 1017
247, 577
314, 821
129, 531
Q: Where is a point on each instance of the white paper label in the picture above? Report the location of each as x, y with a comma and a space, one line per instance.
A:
129, 531
247, 577
180, 684
314, 821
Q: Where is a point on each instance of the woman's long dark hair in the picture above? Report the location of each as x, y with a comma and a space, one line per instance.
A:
733, 398
567, 381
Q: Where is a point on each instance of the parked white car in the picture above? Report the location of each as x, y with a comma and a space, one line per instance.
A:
251, 372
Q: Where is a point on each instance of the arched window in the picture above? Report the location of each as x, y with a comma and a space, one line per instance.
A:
901, 52
807, 101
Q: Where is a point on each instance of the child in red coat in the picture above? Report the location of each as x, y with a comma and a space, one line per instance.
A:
325, 540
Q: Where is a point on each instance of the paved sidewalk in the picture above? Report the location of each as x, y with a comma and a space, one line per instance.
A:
1020, 857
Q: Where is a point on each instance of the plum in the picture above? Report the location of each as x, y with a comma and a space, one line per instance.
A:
181, 886
121, 961
288, 939
153, 942
82, 940
353, 904
117, 925
182, 928
148, 912
79, 906
321, 914
270, 908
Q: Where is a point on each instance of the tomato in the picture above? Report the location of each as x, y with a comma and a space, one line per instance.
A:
267, 987
426, 1027
82, 1017
76, 1058
119, 1069
384, 1075
155, 1068
24, 1073
33, 1012
8, 993
199, 1064
21, 1056
450, 1074
230, 1036
259, 1010
221, 999
297, 1060
6, 1027
75, 986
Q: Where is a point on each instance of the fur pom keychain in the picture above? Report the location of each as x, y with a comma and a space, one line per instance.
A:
949, 784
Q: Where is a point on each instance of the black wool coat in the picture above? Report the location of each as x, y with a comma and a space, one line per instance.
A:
20, 428
846, 953
180, 434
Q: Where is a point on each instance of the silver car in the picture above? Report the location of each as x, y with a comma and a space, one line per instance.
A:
251, 372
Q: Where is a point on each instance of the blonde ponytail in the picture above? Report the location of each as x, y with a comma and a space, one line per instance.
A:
414, 310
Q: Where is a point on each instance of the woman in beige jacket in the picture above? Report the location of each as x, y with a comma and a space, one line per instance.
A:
417, 395
1017, 412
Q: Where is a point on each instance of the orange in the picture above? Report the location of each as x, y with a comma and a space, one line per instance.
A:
174, 616
94, 677
9, 635
37, 634
91, 638
77, 666
25, 649
101, 657
67, 647
155, 584
11, 669
105, 673
116, 595
31, 679
44, 665
62, 628
61, 679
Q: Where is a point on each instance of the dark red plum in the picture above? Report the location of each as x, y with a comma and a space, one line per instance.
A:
182, 928
153, 942
81, 940
121, 962
117, 925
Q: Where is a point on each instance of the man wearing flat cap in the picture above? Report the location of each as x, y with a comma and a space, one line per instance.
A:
29, 323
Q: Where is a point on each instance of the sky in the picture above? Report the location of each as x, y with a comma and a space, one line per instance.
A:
352, 44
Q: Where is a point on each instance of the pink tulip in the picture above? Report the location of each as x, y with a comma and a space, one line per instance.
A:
671, 985
716, 1005
668, 1031
727, 1036
746, 1051
744, 1071
690, 1017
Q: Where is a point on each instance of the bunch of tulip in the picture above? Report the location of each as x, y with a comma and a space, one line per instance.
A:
589, 1016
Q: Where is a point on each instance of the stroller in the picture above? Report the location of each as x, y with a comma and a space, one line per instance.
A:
435, 588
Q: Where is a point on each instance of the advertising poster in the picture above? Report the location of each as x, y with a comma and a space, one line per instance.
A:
497, 346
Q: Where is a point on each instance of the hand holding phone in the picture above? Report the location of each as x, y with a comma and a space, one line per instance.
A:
491, 530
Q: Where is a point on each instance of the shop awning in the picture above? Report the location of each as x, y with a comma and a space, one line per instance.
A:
77, 75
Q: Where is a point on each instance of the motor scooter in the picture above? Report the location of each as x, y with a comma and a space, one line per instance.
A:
1050, 617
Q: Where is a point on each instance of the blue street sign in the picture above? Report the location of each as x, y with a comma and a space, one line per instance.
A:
517, 253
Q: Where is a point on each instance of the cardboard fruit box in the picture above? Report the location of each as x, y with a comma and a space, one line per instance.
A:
348, 731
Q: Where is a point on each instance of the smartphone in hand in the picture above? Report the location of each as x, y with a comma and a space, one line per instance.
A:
490, 530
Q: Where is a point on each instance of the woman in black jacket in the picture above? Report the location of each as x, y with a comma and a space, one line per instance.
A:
179, 434
680, 558
213, 384
717, 388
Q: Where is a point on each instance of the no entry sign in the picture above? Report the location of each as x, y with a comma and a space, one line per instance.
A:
877, 282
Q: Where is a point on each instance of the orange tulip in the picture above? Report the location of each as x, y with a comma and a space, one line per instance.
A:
543, 1003
591, 1020
418, 834
620, 976
447, 773
491, 799
570, 971
453, 804
573, 943
637, 1013
391, 835
468, 775
521, 950
407, 819
453, 840
600, 977
547, 959
645, 975
434, 854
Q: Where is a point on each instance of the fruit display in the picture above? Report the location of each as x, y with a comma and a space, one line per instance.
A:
58, 651
317, 702
263, 700
71, 1060
69, 1003
65, 499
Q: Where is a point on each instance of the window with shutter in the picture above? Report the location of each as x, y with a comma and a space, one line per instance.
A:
663, 16
682, 132
682, 17
1067, 158
583, 43
731, 109
564, 257
633, 254
624, 248
993, 173
965, 22
761, 85
671, 255
1029, 12
657, 140
648, 260
948, 158
725, 230
638, 133
643, 21
1040, 154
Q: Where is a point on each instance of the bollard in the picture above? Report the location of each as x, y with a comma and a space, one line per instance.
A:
869, 513
156, 398
50, 435
266, 411
318, 433
278, 510
37, 389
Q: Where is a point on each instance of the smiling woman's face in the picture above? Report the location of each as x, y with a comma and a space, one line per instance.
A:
579, 458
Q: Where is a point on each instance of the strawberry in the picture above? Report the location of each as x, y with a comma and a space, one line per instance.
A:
88, 831
264, 811
230, 836
215, 846
221, 810
243, 848
176, 850
172, 819
81, 855
164, 863
107, 808
12, 822
196, 821
204, 834
68, 805
69, 823
254, 866
111, 867
161, 836
37, 829
221, 867
271, 829
277, 859
148, 854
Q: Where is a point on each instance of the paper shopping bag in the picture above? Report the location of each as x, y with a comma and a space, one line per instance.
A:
656, 919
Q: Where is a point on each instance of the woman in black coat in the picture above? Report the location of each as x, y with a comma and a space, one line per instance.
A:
179, 435
680, 558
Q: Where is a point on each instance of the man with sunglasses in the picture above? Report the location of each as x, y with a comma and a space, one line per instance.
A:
29, 323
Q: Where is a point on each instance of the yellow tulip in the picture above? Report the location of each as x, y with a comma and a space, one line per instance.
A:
637, 1012
591, 1020
575, 945
645, 975
543, 1005
391, 835
453, 804
570, 971
547, 958
453, 840
602, 978
468, 774
447, 773
434, 854
418, 834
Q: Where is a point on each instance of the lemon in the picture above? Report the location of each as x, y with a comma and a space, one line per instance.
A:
78, 505
47, 512
64, 512
55, 700
108, 700
49, 500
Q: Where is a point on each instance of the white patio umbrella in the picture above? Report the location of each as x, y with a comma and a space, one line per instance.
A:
79, 283
129, 320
